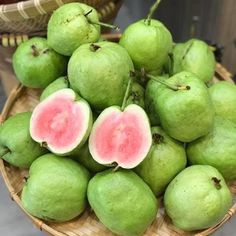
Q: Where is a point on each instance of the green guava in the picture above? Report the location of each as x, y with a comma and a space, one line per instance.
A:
72, 25
164, 161
136, 95
197, 198
184, 107
148, 44
56, 189
194, 56
56, 85
223, 95
100, 73
216, 149
122, 201
16, 145
36, 64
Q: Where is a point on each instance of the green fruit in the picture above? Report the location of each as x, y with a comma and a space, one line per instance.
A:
197, 198
194, 56
69, 27
122, 202
56, 85
187, 112
136, 95
147, 44
164, 161
36, 65
216, 149
100, 73
16, 145
56, 189
223, 95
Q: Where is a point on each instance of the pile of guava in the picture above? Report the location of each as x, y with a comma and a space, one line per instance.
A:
122, 126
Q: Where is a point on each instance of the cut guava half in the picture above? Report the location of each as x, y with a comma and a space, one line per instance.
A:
62, 122
123, 137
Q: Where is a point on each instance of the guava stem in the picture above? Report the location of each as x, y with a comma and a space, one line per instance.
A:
216, 182
105, 25
152, 10
35, 51
44, 144
157, 138
127, 92
94, 47
116, 168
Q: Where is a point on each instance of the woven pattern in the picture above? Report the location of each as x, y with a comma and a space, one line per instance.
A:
25, 99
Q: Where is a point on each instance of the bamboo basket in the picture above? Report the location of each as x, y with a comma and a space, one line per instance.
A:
25, 99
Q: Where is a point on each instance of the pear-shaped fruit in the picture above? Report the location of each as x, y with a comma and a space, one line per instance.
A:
197, 198
223, 95
36, 64
56, 189
164, 161
216, 149
122, 202
16, 145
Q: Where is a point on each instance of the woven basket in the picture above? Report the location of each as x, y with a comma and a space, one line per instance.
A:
24, 99
20, 20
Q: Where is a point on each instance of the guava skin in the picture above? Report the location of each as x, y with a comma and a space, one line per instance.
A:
136, 95
122, 202
216, 149
69, 27
194, 56
56, 189
147, 45
223, 95
56, 85
16, 145
33, 55
185, 114
100, 73
195, 199
164, 161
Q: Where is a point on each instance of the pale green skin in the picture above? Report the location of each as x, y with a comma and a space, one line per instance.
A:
100, 76
147, 45
38, 71
194, 56
164, 161
122, 202
68, 28
223, 95
193, 201
56, 85
15, 138
56, 189
136, 95
185, 114
216, 149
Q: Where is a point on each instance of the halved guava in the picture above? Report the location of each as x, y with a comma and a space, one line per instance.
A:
62, 122
119, 136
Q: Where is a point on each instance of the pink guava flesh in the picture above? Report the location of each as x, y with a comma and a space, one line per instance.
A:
121, 137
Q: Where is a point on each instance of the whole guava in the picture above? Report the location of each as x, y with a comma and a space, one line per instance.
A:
216, 149
197, 198
72, 25
36, 64
56, 189
164, 161
223, 95
100, 73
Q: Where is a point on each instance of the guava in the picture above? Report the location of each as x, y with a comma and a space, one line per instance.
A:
197, 198
122, 201
72, 25
123, 137
194, 56
184, 107
223, 95
164, 161
216, 149
61, 122
56, 85
148, 44
16, 145
136, 95
36, 64
100, 73
56, 189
